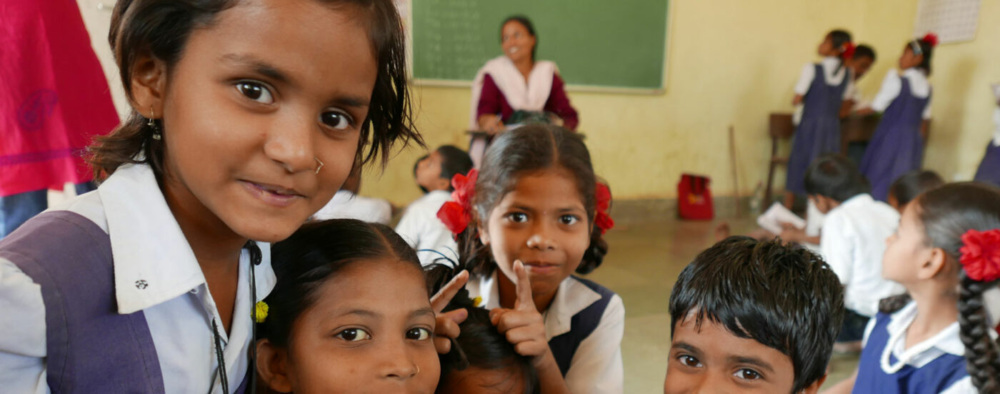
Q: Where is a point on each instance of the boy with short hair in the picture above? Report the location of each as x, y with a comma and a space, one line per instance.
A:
420, 226
853, 240
753, 316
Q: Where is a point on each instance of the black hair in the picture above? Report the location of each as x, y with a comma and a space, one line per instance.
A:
863, 51
527, 149
316, 252
839, 38
783, 297
524, 21
480, 344
416, 165
453, 161
908, 186
837, 177
926, 49
160, 29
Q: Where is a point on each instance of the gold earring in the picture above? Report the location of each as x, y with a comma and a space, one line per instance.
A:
320, 166
152, 124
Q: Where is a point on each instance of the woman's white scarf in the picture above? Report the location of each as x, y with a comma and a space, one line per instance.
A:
521, 95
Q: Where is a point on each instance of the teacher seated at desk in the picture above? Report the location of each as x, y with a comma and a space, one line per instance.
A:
515, 85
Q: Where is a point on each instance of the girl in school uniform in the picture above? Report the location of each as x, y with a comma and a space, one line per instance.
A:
531, 218
917, 342
897, 147
822, 89
989, 167
246, 119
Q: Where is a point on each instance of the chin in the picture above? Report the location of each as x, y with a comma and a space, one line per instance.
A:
263, 230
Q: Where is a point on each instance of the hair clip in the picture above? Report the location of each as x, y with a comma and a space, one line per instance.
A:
260, 312
981, 255
457, 213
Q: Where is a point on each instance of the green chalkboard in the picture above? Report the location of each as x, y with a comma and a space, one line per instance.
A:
600, 43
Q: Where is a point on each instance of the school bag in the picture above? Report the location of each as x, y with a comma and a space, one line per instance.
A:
694, 198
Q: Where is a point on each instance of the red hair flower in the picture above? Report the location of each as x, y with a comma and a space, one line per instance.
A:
849, 49
602, 220
457, 213
981, 254
931, 39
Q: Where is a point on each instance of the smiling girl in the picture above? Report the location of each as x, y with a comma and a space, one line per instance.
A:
247, 117
538, 216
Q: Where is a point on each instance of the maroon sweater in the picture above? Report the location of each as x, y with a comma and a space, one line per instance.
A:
492, 101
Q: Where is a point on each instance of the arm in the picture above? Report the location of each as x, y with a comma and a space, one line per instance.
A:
489, 106
597, 363
802, 85
837, 248
887, 93
22, 345
559, 104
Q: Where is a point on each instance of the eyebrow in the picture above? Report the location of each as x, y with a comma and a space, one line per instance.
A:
421, 313
685, 346
257, 65
360, 312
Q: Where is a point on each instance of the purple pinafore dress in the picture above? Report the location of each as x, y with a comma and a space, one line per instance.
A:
989, 168
819, 131
896, 147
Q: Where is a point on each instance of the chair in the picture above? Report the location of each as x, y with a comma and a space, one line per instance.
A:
779, 127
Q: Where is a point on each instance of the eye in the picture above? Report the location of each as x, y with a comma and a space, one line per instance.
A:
418, 334
747, 374
255, 91
568, 219
689, 361
354, 335
336, 120
517, 217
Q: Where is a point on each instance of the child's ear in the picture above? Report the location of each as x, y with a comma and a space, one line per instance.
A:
484, 237
442, 184
149, 83
933, 264
814, 387
272, 365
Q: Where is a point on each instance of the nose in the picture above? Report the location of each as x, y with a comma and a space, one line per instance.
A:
397, 363
541, 237
289, 141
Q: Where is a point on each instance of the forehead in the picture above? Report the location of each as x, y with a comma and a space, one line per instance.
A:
362, 285
316, 44
483, 381
549, 187
514, 27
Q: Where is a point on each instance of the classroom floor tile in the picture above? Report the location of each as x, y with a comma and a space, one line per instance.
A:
643, 262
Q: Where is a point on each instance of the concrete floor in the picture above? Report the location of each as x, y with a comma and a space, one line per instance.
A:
642, 264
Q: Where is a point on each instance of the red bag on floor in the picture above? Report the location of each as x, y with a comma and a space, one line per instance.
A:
694, 198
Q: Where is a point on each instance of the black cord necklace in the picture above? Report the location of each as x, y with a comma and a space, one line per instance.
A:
255, 259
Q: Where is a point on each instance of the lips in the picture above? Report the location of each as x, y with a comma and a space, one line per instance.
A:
541, 267
272, 194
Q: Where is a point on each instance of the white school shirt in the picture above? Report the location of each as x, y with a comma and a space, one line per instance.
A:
891, 85
996, 125
347, 205
945, 342
422, 229
597, 364
852, 243
147, 244
833, 76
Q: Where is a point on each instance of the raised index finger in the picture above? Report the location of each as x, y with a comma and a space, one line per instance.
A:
440, 300
525, 302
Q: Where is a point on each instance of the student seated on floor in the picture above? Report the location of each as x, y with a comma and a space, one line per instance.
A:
731, 333
420, 226
907, 187
347, 204
853, 240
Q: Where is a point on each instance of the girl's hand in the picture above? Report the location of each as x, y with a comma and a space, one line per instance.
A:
523, 326
446, 327
491, 123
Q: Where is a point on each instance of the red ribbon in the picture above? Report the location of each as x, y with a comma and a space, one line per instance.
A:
981, 254
457, 213
602, 219
849, 49
931, 39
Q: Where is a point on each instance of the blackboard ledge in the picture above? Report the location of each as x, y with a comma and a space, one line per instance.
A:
450, 83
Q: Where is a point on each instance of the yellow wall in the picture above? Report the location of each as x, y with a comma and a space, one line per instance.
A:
731, 62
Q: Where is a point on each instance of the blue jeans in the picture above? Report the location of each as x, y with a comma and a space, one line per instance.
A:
18, 208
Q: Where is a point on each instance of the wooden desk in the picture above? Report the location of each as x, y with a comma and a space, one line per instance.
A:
857, 129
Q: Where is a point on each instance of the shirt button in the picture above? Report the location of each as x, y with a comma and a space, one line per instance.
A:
194, 291
141, 284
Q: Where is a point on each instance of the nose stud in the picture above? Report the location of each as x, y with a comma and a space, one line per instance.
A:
320, 166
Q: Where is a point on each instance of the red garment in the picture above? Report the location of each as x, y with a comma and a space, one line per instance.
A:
54, 97
492, 101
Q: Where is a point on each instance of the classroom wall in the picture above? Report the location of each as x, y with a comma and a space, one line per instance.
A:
731, 62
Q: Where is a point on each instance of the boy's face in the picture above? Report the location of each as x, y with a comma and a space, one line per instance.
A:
823, 204
429, 173
861, 66
713, 360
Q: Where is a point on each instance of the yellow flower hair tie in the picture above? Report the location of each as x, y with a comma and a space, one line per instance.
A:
260, 312
476, 301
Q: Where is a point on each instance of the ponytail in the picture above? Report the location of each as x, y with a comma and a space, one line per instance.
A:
982, 354
925, 47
